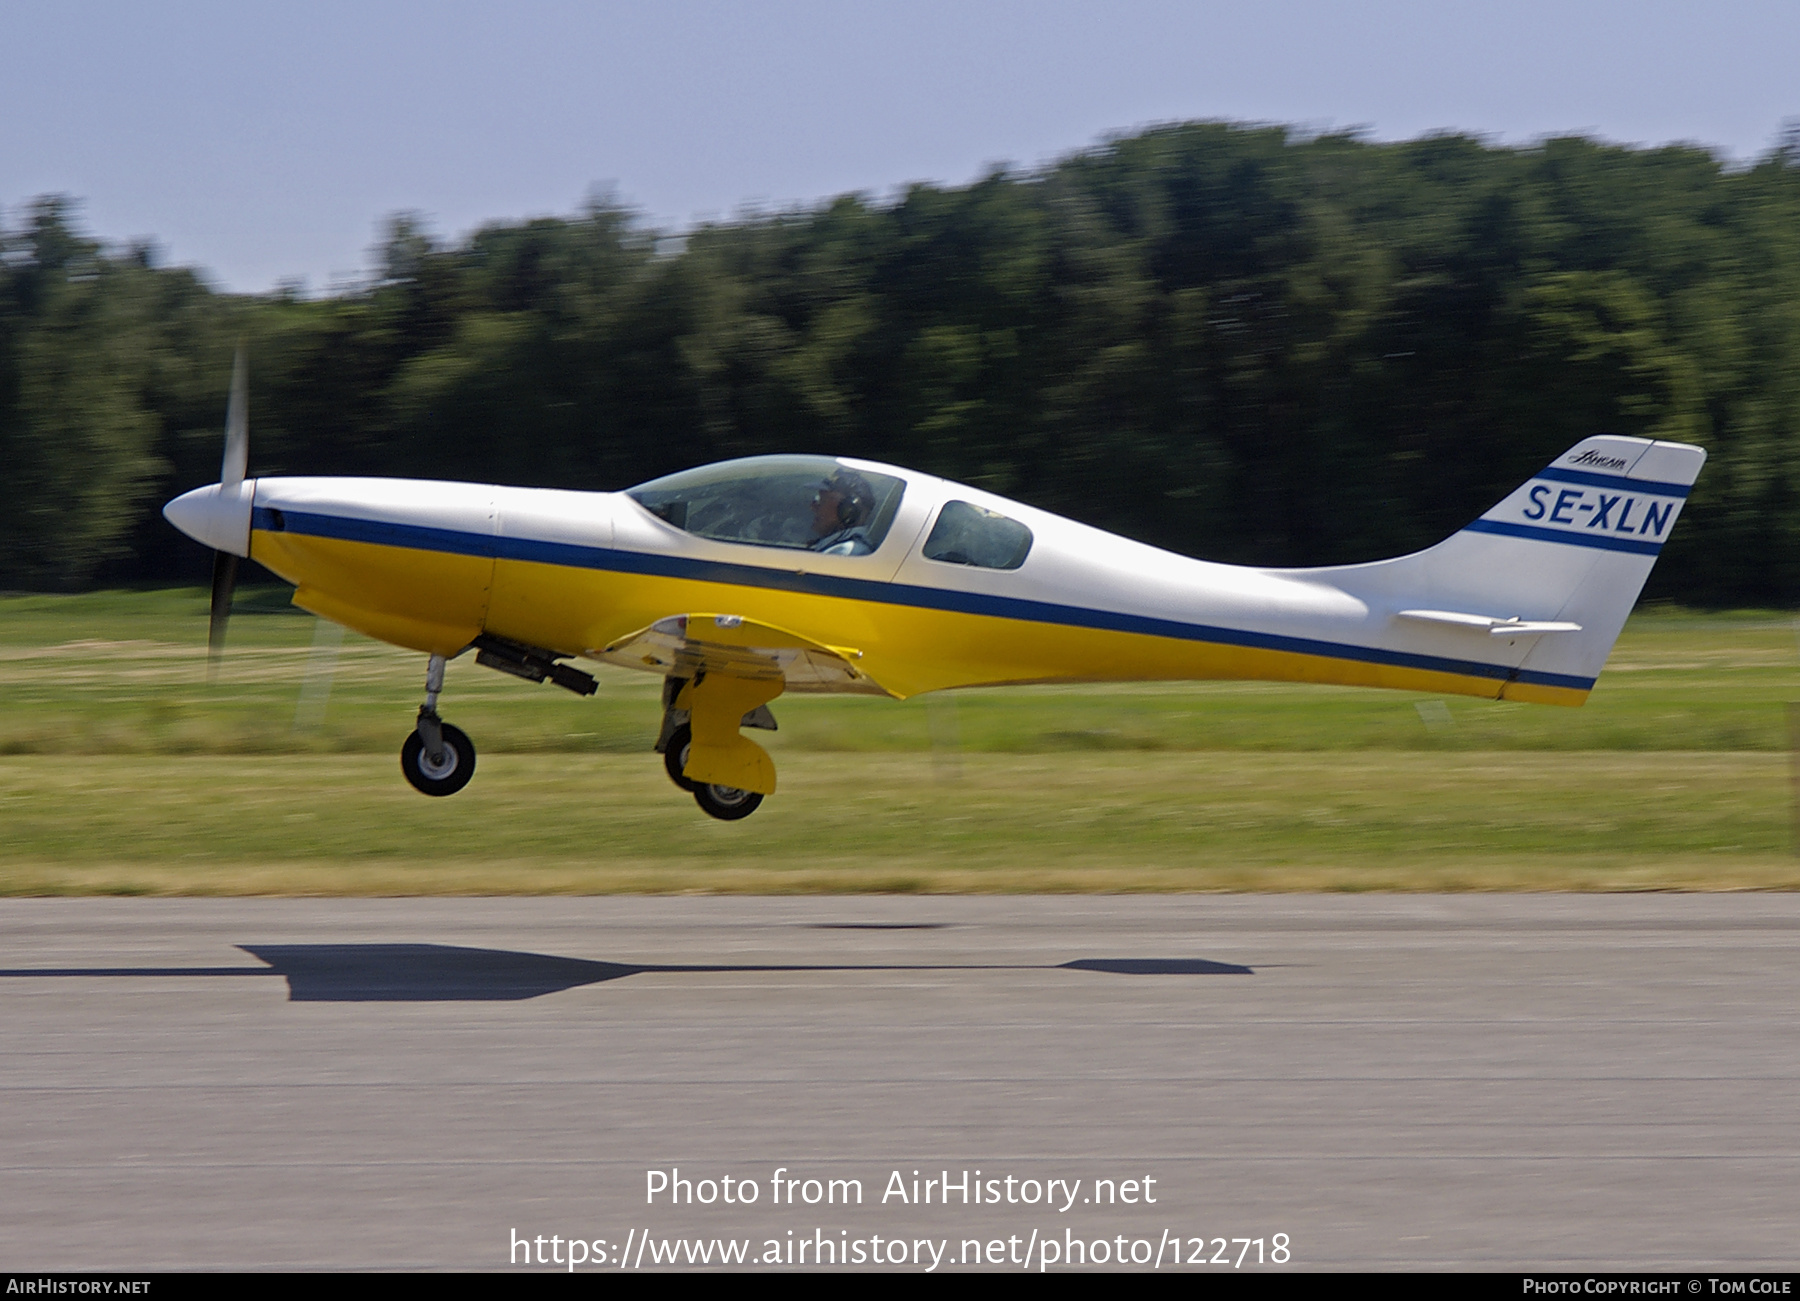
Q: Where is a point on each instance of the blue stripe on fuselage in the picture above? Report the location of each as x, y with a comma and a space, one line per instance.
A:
421, 537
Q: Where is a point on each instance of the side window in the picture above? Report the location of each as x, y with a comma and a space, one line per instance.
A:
966, 534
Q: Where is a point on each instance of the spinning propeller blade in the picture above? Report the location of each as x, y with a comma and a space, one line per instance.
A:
232, 469
237, 425
224, 579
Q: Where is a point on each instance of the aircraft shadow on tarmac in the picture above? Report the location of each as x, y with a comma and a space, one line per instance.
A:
411, 973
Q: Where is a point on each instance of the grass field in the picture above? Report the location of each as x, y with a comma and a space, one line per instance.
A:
122, 770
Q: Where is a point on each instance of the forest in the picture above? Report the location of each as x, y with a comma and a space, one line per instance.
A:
1247, 343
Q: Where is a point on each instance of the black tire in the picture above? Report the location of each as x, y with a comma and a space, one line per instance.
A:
727, 803
458, 765
675, 757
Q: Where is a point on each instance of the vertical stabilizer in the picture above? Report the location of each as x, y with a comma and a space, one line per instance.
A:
1543, 582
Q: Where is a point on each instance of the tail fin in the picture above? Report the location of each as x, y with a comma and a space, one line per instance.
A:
1543, 582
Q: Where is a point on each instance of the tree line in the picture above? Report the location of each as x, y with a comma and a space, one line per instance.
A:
1243, 343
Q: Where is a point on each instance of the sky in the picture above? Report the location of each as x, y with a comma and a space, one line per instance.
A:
271, 142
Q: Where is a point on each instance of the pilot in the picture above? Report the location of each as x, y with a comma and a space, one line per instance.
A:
842, 506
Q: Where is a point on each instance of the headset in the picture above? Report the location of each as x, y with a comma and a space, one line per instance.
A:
856, 499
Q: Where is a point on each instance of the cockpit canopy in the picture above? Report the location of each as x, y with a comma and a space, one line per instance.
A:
807, 503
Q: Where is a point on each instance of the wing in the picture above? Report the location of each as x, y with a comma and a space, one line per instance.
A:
682, 645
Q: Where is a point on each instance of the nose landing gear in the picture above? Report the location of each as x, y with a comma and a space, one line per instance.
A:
446, 774
438, 759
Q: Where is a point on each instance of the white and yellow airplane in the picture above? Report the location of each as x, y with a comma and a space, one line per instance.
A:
739, 581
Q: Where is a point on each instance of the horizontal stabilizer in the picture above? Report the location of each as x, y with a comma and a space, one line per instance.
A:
1497, 627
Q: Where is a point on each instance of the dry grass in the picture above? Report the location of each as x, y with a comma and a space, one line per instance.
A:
316, 825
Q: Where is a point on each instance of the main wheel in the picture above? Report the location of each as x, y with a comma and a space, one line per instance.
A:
675, 756
727, 803
446, 777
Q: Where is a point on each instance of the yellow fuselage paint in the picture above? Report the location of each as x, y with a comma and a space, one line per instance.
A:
431, 601
437, 602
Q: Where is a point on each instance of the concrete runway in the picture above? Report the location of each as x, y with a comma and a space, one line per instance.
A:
1465, 1082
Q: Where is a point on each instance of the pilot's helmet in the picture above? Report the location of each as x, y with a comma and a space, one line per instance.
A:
856, 499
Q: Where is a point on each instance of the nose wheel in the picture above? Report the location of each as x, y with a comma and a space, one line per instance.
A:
446, 774
438, 759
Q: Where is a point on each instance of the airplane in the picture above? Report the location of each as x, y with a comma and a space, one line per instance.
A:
742, 580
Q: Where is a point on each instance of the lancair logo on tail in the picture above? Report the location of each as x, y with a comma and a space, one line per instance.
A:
1598, 461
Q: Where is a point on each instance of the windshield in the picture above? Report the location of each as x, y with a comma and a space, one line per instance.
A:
808, 503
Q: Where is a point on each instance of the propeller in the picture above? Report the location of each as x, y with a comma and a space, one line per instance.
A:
231, 474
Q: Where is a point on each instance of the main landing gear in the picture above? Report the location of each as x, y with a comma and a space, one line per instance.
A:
727, 803
438, 759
